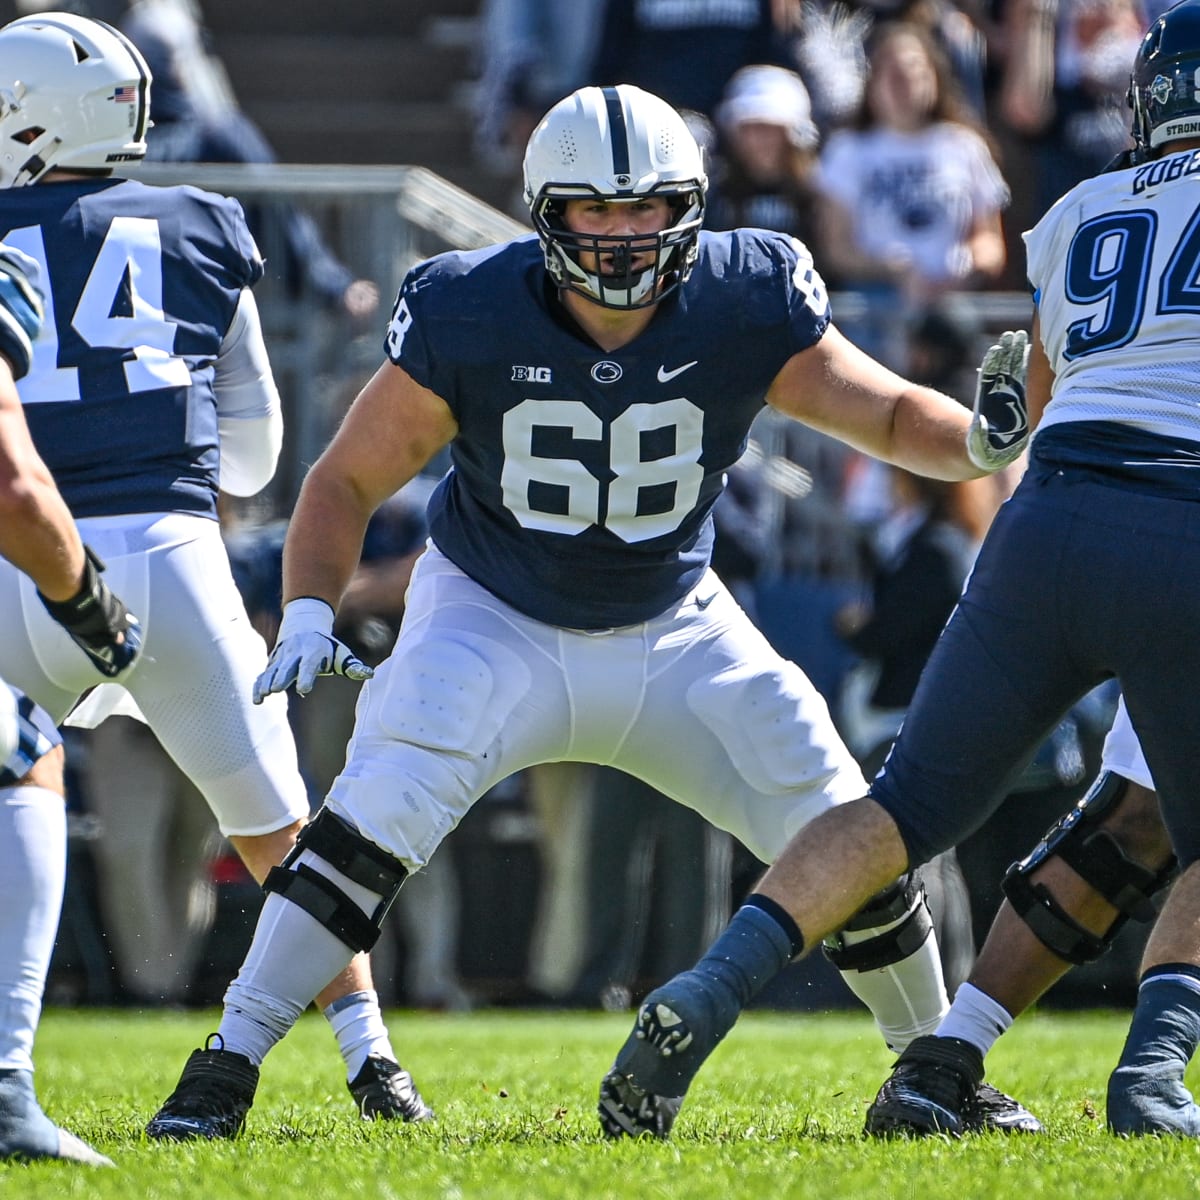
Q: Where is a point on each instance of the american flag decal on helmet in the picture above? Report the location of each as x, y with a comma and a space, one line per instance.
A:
126, 94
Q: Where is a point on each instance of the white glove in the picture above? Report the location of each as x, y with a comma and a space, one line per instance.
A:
306, 648
1000, 419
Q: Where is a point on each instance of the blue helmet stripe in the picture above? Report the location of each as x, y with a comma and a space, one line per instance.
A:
620, 133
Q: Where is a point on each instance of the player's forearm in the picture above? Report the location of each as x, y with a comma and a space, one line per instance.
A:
928, 436
324, 540
38, 535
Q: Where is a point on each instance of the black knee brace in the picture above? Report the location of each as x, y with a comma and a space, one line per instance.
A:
365, 863
1098, 858
903, 899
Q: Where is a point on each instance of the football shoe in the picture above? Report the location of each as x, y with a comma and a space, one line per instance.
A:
383, 1090
627, 1110
677, 1028
211, 1100
937, 1086
27, 1133
1141, 1103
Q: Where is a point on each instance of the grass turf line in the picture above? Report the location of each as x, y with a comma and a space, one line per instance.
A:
777, 1111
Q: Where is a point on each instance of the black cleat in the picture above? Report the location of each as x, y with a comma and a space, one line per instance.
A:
930, 1090
383, 1090
991, 1111
26, 1133
211, 1100
627, 1110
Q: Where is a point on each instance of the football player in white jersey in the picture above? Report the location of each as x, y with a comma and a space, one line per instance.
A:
1090, 572
39, 537
149, 390
594, 382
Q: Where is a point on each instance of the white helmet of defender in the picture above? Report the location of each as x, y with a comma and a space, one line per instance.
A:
614, 144
74, 93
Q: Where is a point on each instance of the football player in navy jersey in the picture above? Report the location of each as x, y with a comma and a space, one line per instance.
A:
38, 537
149, 389
1091, 571
593, 382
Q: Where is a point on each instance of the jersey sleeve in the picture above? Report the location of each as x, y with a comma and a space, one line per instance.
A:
20, 309
238, 254
408, 340
1045, 244
807, 297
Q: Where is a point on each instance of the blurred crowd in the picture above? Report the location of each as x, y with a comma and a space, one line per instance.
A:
908, 143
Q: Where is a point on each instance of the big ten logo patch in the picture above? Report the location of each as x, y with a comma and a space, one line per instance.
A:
531, 374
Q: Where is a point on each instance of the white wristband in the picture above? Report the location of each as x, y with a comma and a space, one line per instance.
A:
306, 614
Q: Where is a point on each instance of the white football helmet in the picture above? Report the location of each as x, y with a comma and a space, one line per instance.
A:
615, 143
74, 93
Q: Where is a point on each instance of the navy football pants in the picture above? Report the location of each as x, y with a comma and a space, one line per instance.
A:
1078, 581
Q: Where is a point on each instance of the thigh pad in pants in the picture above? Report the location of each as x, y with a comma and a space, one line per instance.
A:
428, 740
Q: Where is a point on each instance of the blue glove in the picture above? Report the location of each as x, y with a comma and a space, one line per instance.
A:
306, 648
999, 418
99, 624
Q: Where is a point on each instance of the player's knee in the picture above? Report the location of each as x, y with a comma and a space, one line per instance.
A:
261, 852
1114, 841
1135, 821
352, 857
891, 926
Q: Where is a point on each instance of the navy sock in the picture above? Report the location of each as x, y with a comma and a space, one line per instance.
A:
782, 918
1166, 1021
754, 948
708, 999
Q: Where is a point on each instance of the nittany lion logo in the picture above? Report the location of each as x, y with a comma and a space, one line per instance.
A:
607, 371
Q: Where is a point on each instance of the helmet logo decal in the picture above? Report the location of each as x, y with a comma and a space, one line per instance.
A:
607, 371
1160, 90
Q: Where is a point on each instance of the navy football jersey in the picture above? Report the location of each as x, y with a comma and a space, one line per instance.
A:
583, 481
140, 286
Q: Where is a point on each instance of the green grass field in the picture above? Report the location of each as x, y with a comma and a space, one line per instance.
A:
777, 1111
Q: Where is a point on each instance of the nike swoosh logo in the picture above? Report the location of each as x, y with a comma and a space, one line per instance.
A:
665, 376
702, 602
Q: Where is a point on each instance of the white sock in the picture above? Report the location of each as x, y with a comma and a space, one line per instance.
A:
976, 1018
358, 1025
33, 868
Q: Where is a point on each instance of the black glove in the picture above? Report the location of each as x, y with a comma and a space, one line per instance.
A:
95, 619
